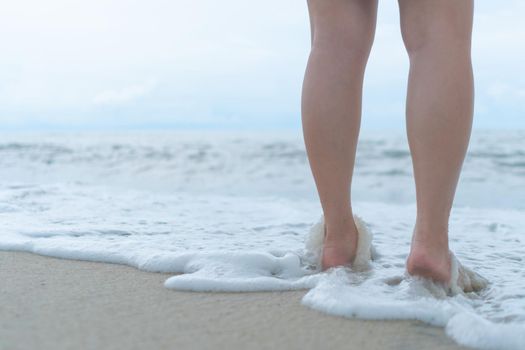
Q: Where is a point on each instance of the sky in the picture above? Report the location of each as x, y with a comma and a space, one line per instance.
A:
207, 64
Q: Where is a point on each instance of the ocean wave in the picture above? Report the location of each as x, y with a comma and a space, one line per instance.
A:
252, 164
231, 213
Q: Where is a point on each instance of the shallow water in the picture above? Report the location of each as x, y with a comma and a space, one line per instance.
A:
230, 212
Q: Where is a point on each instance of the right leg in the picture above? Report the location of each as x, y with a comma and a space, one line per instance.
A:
342, 36
437, 36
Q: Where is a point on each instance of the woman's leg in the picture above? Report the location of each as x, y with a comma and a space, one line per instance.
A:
342, 35
437, 35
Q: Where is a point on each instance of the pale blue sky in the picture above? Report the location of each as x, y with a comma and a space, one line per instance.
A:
107, 64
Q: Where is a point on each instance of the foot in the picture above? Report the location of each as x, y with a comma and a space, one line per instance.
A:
430, 257
340, 243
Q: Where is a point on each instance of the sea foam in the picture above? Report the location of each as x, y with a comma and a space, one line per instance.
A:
234, 213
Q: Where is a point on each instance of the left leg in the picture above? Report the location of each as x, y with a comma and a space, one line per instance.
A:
342, 36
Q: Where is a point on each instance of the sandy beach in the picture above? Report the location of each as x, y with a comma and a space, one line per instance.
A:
49, 303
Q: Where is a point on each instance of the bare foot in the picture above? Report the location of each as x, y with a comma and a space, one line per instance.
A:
430, 258
340, 243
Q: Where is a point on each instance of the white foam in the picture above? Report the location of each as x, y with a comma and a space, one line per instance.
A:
472, 330
213, 250
364, 253
246, 272
344, 293
464, 279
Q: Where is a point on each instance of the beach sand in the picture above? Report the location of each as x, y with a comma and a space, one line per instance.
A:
48, 303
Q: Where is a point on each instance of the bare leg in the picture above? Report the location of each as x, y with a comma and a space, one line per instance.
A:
437, 36
342, 35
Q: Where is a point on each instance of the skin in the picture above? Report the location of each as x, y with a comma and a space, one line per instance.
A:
437, 36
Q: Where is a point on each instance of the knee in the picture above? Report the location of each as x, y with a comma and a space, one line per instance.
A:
342, 27
437, 35
423, 41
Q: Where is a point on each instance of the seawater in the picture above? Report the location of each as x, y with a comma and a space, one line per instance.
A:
230, 211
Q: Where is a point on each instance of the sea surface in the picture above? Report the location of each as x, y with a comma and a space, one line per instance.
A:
230, 211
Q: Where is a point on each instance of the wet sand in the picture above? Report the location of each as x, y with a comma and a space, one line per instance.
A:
48, 303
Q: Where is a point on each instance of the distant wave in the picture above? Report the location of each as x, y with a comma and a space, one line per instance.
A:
253, 164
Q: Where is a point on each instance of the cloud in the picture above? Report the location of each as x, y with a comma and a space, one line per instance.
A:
502, 91
125, 94
233, 62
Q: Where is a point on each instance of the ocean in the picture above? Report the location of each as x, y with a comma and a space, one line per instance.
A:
230, 211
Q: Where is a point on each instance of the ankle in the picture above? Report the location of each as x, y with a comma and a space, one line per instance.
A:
425, 222
339, 217
341, 227
337, 213
431, 233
